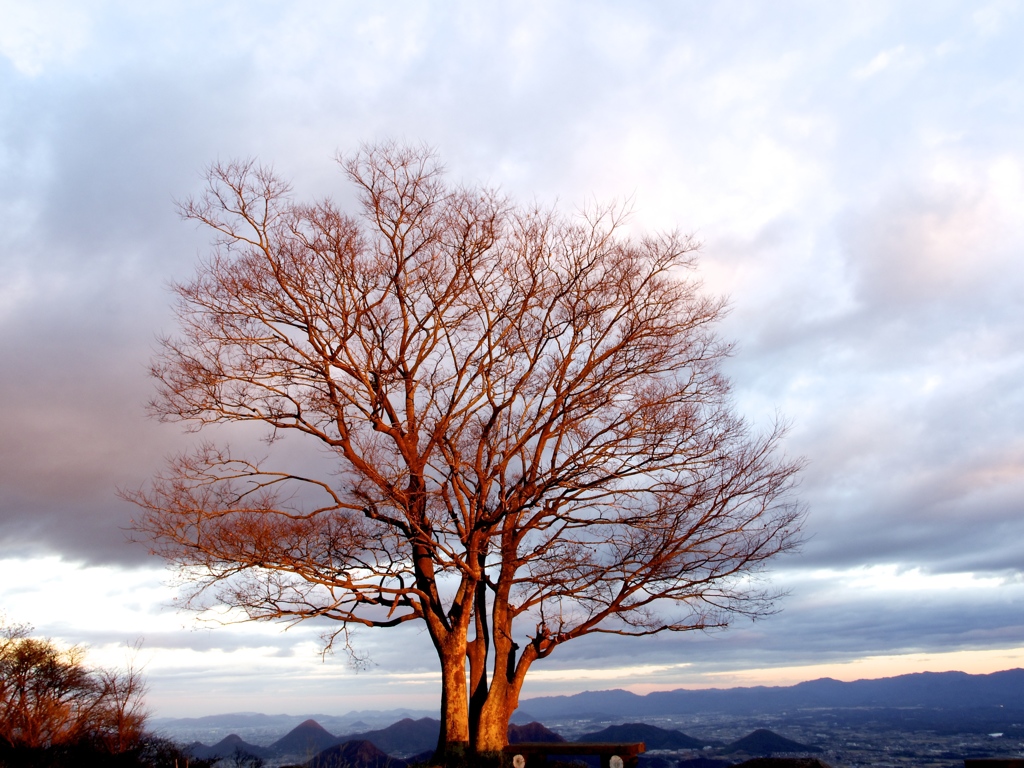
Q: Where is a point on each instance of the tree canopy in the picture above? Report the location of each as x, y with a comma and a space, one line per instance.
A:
531, 438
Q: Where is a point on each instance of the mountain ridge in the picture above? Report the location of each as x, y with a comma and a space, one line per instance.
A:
651, 735
307, 737
765, 742
942, 690
403, 739
954, 692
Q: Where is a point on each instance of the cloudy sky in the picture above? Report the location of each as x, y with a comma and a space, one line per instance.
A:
854, 170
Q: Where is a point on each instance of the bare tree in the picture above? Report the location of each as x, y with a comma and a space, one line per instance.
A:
530, 434
50, 697
242, 759
121, 711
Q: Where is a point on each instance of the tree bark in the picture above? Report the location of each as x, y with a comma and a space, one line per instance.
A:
502, 698
453, 742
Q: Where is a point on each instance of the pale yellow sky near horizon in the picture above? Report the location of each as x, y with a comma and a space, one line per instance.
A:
974, 662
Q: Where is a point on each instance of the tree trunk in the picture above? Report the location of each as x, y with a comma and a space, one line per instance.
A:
453, 741
491, 732
492, 728
478, 651
502, 699
449, 634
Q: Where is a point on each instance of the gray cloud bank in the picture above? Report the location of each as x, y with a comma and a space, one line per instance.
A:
855, 174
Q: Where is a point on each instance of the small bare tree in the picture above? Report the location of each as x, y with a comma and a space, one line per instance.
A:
121, 712
242, 759
50, 697
530, 434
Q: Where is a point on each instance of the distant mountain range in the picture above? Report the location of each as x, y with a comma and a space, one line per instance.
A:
952, 691
936, 690
265, 728
405, 738
759, 742
314, 747
924, 698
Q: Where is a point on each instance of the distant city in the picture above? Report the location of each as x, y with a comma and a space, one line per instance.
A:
932, 720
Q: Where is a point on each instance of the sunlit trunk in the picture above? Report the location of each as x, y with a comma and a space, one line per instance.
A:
449, 633
453, 741
492, 728
491, 731
502, 699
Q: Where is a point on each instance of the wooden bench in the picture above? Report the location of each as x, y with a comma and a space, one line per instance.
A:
534, 754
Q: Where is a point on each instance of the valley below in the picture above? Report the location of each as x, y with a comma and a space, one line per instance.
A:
930, 720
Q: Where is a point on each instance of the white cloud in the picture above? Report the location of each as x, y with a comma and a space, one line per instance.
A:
993, 18
35, 36
882, 61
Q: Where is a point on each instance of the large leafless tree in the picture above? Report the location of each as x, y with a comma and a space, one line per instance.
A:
530, 436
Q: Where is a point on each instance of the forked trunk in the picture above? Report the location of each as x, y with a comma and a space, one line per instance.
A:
491, 733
